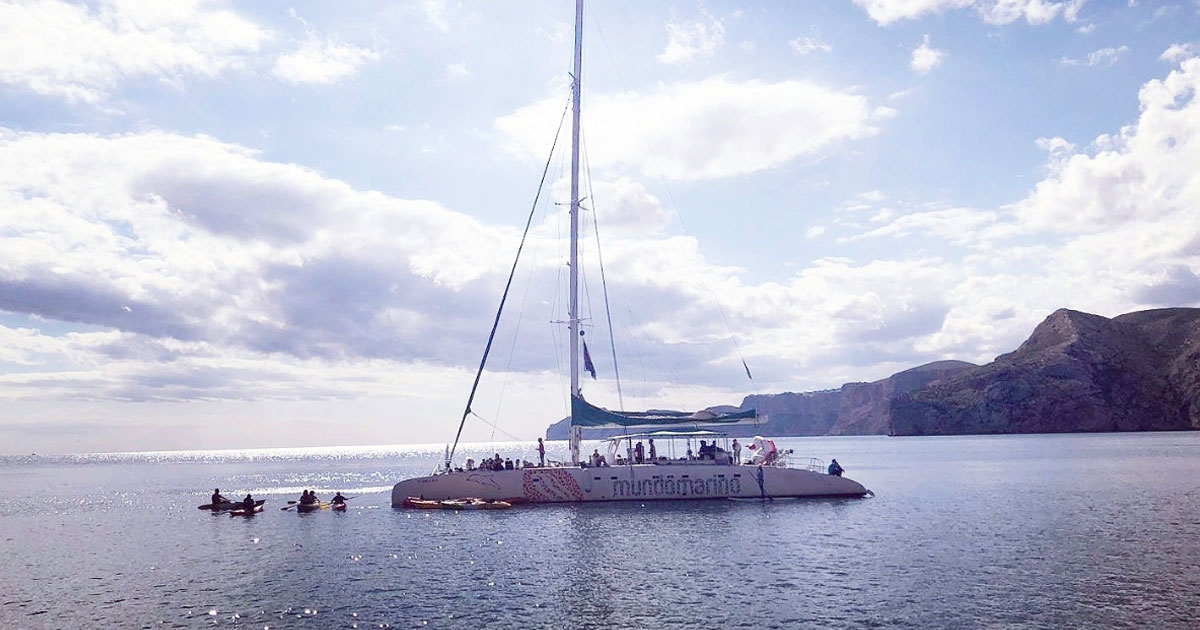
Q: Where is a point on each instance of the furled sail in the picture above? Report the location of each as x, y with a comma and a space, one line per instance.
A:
584, 414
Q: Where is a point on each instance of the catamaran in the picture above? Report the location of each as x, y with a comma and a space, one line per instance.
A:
715, 473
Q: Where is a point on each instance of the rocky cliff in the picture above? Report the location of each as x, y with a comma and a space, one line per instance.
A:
1076, 373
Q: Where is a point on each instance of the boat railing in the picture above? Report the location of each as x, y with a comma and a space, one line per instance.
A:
786, 459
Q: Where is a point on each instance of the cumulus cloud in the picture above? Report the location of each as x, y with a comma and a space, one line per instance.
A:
925, 57
708, 129
81, 52
691, 40
998, 12
1144, 173
194, 240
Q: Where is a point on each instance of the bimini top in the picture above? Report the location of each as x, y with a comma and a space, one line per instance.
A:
584, 414
669, 434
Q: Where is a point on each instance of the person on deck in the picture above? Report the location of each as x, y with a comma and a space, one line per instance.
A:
653, 453
338, 499
702, 452
508, 465
737, 452
217, 499
541, 453
248, 503
639, 454
836, 469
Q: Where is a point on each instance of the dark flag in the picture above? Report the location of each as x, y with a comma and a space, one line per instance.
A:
587, 361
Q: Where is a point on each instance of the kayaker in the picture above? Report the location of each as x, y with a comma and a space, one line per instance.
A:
836, 469
338, 499
217, 499
248, 504
306, 498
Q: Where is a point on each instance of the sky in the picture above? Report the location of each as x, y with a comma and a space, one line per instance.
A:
248, 224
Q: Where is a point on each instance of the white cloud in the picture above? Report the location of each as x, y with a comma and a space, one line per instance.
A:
925, 57
1101, 57
1144, 174
82, 52
998, 12
1177, 52
320, 60
808, 45
708, 129
435, 12
457, 71
696, 39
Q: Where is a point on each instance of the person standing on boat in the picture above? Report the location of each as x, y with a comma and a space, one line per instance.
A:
836, 469
737, 452
541, 453
639, 453
653, 453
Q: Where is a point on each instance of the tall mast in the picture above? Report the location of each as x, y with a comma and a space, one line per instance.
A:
573, 315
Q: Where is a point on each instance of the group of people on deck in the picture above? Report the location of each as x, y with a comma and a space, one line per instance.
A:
506, 463
498, 463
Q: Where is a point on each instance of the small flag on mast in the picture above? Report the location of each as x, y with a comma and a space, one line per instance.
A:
587, 361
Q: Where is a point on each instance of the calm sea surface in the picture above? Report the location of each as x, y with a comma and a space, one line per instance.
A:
1055, 531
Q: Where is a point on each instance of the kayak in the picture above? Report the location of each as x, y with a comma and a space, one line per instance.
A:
455, 504
228, 505
258, 507
311, 507
338, 507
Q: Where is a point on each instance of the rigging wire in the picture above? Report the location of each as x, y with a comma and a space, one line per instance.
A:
612, 342
503, 298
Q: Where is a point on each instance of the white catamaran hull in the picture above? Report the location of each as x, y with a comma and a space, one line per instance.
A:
640, 482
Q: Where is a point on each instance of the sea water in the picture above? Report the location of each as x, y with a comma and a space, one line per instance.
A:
963, 532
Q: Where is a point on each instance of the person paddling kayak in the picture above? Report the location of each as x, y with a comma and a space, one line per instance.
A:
217, 499
248, 504
338, 499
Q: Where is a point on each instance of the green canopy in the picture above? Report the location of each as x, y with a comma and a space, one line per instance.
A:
584, 414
